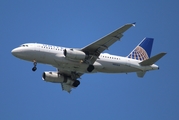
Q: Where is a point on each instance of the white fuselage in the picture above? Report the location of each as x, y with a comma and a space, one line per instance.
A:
53, 55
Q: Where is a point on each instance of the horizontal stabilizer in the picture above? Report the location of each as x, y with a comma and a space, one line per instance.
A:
152, 60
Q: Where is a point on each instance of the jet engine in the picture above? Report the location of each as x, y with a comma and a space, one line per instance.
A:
74, 54
57, 78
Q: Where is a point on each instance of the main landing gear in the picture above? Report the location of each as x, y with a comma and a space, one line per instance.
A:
76, 83
35, 64
90, 68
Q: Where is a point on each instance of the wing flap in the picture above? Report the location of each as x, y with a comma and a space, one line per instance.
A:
152, 60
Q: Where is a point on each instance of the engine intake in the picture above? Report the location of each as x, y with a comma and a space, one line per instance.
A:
57, 78
74, 54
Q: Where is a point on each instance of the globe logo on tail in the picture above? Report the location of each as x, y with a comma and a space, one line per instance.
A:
139, 54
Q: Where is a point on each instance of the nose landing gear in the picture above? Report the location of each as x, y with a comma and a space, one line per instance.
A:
35, 64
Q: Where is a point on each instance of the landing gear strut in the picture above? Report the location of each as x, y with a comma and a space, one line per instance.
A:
35, 64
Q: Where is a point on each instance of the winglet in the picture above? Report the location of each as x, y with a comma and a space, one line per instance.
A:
134, 24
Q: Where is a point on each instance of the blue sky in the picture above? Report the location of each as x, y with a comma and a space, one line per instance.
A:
23, 94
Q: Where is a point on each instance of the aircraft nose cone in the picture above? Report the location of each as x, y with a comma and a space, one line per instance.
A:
15, 52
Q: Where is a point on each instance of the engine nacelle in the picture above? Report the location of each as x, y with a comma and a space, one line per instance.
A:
57, 78
74, 54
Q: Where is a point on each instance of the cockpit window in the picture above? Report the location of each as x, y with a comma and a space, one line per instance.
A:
24, 45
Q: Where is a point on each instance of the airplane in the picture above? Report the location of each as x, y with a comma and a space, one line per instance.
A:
72, 63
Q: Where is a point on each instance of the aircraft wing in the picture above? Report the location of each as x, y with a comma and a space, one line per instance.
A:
69, 73
74, 76
95, 49
66, 87
104, 43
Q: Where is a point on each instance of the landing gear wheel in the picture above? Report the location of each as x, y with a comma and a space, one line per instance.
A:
90, 68
34, 68
35, 64
76, 83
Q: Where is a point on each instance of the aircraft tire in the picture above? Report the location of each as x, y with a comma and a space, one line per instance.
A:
90, 68
34, 68
76, 83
